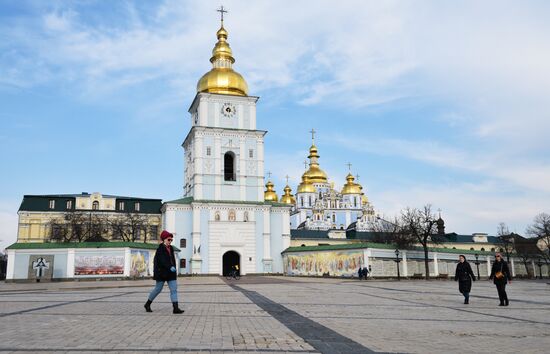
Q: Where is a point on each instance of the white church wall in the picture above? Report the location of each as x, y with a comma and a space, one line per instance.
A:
182, 226
276, 230
205, 244
259, 236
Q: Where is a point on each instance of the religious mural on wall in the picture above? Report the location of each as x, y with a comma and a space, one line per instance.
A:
40, 267
139, 263
94, 264
335, 263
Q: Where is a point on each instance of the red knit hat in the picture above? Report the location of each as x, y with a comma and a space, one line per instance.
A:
165, 234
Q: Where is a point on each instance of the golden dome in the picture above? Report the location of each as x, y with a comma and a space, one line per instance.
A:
315, 174
306, 186
222, 78
270, 195
350, 187
288, 198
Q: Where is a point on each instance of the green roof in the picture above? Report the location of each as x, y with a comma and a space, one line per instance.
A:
42, 203
54, 245
189, 200
348, 246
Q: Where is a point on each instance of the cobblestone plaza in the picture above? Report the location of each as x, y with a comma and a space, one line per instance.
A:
274, 315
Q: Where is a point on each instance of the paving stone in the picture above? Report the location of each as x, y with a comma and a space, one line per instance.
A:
274, 315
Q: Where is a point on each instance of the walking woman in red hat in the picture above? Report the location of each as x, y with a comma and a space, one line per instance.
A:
165, 271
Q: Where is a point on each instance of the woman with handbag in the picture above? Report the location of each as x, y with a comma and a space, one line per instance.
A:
500, 276
464, 275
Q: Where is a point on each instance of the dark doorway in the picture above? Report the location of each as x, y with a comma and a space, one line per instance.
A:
229, 166
230, 260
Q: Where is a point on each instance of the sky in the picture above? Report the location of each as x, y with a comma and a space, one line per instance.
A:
441, 103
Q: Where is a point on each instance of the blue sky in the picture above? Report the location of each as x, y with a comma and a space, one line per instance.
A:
432, 102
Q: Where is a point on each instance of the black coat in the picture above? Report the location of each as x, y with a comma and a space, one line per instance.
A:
500, 266
464, 275
162, 263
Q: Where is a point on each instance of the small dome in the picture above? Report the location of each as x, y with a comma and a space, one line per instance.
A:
306, 186
270, 195
288, 198
350, 187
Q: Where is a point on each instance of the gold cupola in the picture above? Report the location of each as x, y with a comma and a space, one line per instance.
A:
306, 186
314, 173
288, 198
269, 194
222, 78
351, 187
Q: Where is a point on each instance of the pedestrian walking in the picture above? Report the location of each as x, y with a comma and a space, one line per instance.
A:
360, 273
500, 274
464, 275
165, 271
365, 272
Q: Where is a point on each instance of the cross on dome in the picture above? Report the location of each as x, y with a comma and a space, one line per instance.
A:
312, 131
221, 10
349, 166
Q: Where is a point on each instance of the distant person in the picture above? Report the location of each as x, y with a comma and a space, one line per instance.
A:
165, 271
365, 272
500, 276
464, 275
360, 273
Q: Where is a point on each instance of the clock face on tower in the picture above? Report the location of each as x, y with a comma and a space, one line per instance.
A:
228, 110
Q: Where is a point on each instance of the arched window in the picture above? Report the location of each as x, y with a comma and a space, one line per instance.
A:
95, 205
354, 201
302, 201
333, 217
492, 249
471, 248
482, 249
229, 166
309, 200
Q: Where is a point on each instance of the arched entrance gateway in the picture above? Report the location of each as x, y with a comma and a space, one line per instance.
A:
230, 259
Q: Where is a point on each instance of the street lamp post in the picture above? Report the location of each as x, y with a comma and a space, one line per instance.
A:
477, 264
539, 263
397, 260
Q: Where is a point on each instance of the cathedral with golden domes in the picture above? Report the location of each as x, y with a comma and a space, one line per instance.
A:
319, 206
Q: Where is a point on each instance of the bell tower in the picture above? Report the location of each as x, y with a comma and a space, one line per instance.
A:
224, 152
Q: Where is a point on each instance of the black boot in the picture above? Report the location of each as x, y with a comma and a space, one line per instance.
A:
148, 306
466, 302
176, 308
506, 303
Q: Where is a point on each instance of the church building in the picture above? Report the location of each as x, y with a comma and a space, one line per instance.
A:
225, 219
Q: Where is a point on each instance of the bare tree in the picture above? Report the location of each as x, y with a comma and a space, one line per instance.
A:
392, 232
59, 230
132, 227
507, 239
526, 250
421, 225
541, 230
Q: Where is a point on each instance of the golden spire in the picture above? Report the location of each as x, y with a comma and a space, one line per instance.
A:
222, 79
315, 174
269, 194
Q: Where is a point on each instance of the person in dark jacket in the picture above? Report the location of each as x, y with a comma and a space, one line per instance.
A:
365, 272
360, 273
164, 270
500, 274
464, 275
